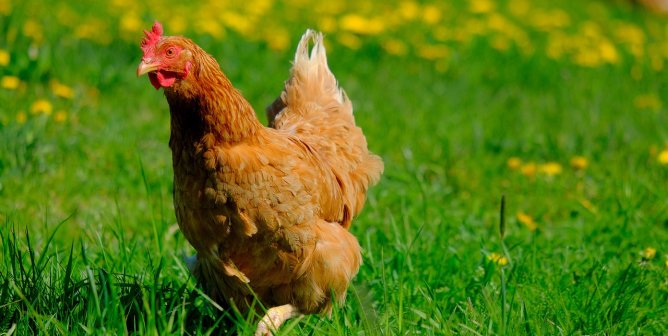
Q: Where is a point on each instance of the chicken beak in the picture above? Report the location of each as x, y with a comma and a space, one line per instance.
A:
144, 68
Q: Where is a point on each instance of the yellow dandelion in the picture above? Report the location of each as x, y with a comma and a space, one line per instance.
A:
550, 20
497, 259
4, 57
551, 168
514, 163
579, 162
587, 57
211, 27
608, 52
519, 7
61, 90
632, 36
527, 221
41, 106
409, 10
666, 262
433, 52
10, 82
431, 14
327, 24
648, 253
358, 24
21, 117
663, 157
177, 24
350, 40
528, 169
647, 101
5, 7
130, 22
395, 47
66, 16
237, 22
60, 116
500, 43
33, 29
481, 6
278, 39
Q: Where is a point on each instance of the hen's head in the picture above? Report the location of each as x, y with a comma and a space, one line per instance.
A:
166, 59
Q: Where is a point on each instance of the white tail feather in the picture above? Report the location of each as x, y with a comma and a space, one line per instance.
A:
312, 70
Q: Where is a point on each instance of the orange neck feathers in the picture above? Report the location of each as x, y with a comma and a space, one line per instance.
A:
207, 103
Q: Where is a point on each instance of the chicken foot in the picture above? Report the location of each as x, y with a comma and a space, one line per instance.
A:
274, 318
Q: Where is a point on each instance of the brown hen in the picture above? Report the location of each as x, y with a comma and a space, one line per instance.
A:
267, 209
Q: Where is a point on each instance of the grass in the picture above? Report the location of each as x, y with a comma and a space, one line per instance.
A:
89, 242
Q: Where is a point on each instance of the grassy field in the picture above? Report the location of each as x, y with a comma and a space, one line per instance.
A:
559, 106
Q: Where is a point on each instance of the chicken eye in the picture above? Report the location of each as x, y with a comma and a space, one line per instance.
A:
171, 51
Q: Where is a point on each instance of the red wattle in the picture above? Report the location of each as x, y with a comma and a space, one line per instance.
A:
162, 78
166, 78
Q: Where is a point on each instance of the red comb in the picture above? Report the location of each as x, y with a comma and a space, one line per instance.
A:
152, 38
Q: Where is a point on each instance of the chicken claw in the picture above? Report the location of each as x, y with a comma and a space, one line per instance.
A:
274, 318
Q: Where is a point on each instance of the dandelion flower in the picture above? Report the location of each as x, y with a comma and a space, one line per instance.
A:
647, 101
10, 82
579, 162
395, 47
648, 253
514, 163
433, 52
61, 90
211, 27
21, 117
278, 39
358, 24
60, 116
33, 29
663, 157
350, 40
41, 106
551, 168
409, 10
431, 14
327, 24
528, 169
497, 259
609, 52
4, 57
527, 221
481, 6
177, 24
237, 22
130, 22
5, 7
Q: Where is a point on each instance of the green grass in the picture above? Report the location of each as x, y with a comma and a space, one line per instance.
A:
89, 241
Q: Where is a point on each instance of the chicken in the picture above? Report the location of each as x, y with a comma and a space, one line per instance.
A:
266, 208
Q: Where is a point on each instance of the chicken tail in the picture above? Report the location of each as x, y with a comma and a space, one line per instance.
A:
313, 108
310, 81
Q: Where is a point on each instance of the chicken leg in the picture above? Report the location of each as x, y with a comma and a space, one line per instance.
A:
274, 318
